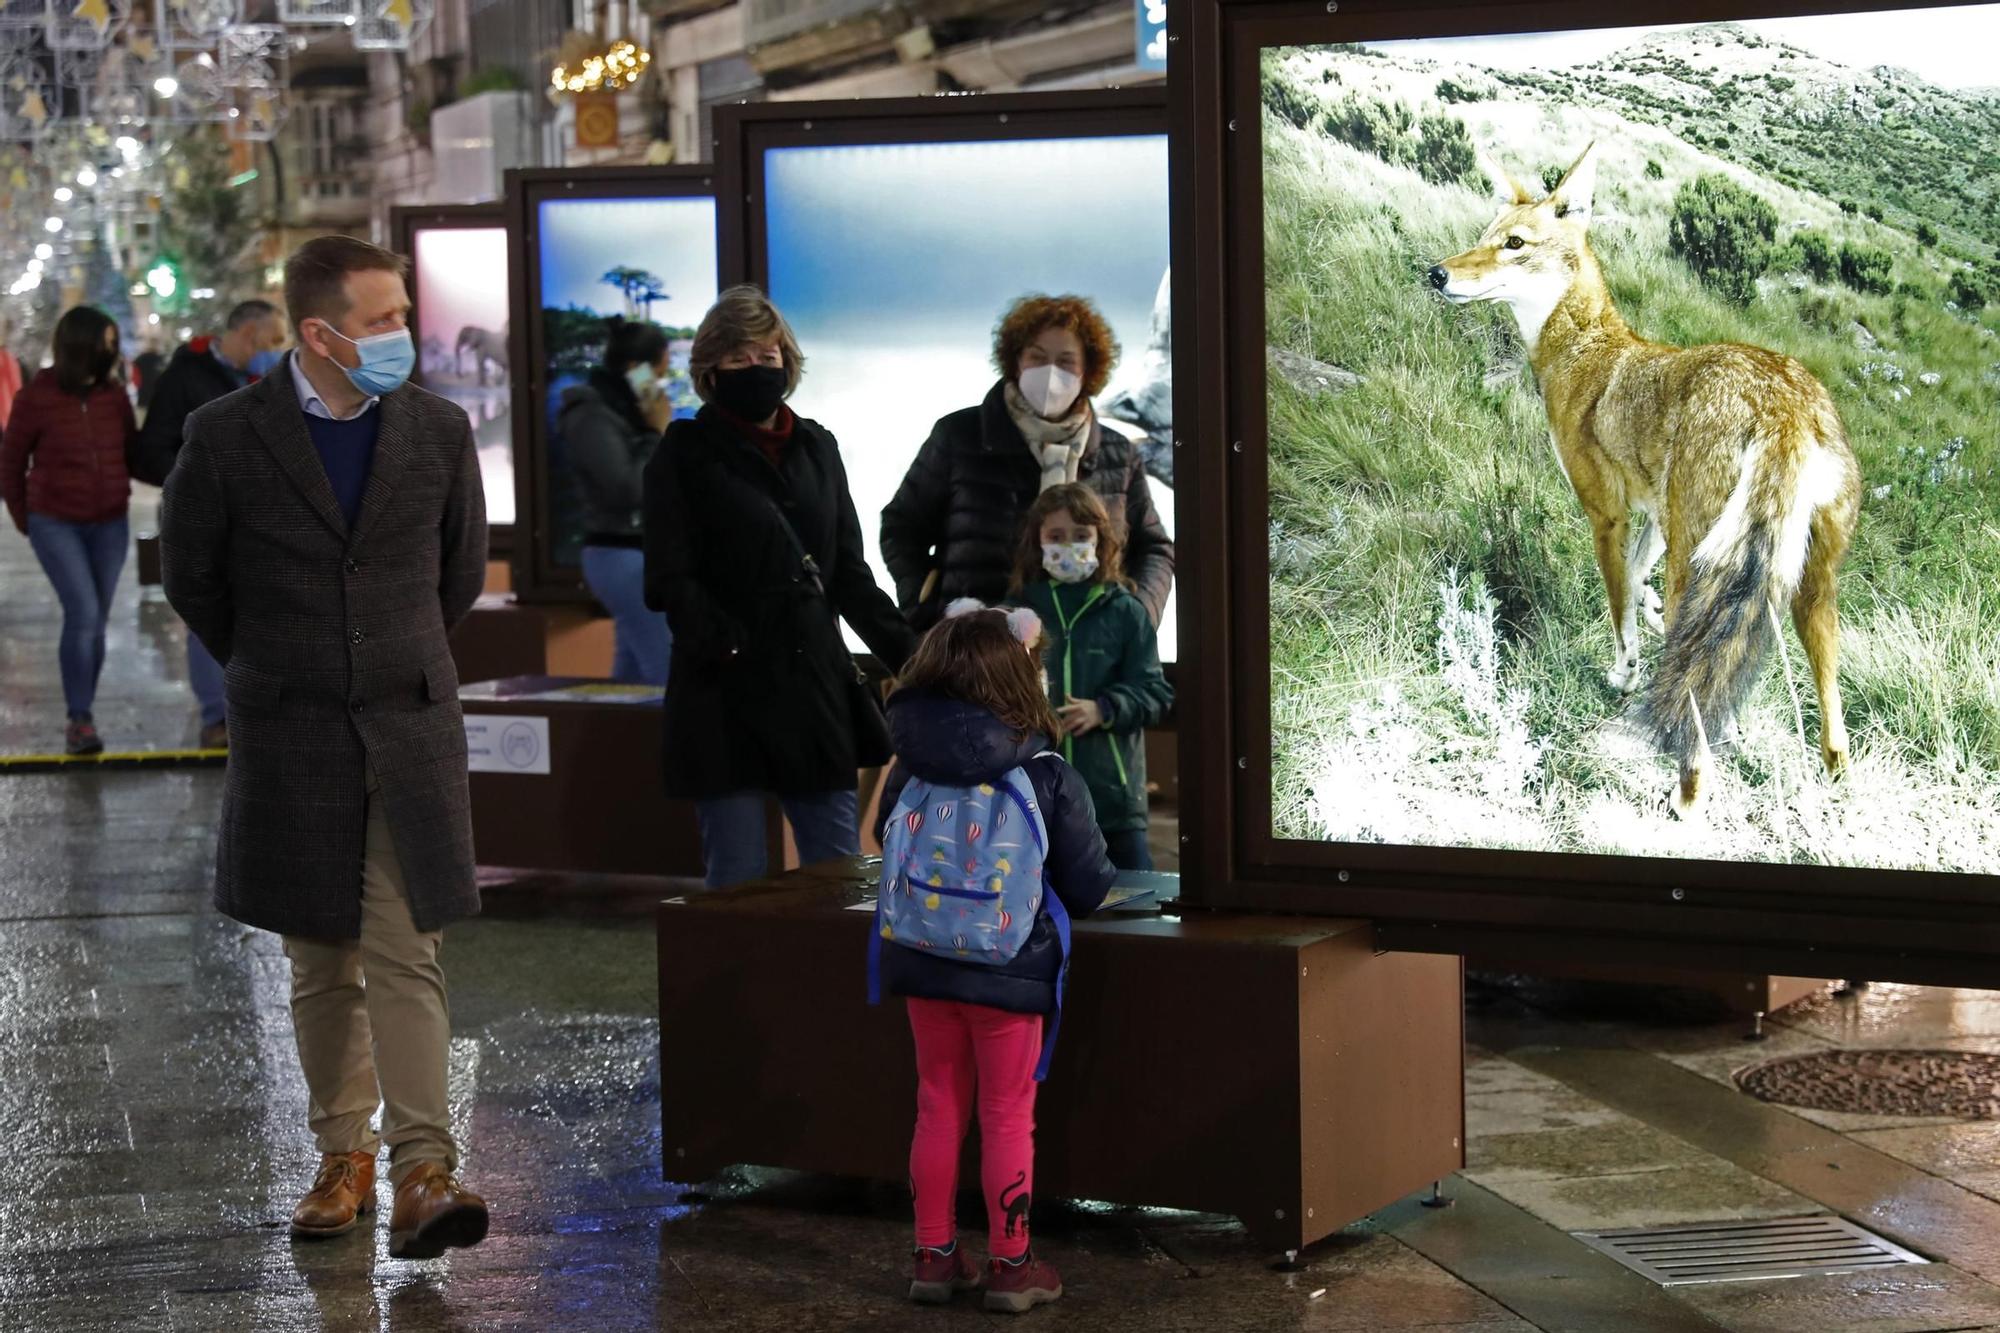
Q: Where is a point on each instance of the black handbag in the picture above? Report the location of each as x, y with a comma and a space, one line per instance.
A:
870, 724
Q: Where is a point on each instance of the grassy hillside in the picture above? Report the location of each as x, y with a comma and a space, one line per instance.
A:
1439, 630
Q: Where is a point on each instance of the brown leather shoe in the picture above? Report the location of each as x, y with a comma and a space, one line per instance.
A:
433, 1214
343, 1190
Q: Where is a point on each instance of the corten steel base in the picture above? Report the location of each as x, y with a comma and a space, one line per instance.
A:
1275, 1069
499, 639
600, 809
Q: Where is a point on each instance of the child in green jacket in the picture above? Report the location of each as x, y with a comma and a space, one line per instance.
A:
1102, 655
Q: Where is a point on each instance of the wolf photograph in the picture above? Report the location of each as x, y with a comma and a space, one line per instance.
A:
1632, 407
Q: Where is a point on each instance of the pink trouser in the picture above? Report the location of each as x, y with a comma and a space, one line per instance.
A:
962, 1048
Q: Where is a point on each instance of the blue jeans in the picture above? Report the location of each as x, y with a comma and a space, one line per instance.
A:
83, 561
205, 676
616, 576
733, 829
1128, 850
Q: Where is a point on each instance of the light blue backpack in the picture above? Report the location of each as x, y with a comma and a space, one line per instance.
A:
962, 870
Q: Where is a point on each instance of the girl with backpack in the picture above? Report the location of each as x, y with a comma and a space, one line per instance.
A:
1103, 657
982, 818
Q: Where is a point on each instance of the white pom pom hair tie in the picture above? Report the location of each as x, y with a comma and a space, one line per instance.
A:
1025, 625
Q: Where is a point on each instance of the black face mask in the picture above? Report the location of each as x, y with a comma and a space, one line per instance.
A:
753, 393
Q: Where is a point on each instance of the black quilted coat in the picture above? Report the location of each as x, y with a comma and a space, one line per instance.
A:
960, 508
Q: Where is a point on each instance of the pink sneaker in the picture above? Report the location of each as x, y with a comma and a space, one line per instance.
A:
1018, 1286
942, 1274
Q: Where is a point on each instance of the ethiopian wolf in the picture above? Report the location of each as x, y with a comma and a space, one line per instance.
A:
1734, 456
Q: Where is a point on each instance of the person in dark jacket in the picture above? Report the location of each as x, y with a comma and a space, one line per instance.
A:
1102, 658
63, 479
201, 371
754, 552
950, 531
612, 424
146, 368
971, 711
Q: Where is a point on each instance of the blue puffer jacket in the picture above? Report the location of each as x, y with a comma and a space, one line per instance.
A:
948, 741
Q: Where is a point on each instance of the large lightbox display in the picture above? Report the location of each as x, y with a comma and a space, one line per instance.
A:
1610, 513
894, 236
638, 243
459, 317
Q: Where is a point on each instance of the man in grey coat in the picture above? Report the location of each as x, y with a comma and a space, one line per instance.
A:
322, 531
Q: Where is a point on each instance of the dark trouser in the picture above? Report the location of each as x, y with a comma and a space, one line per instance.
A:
1128, 850
83, 561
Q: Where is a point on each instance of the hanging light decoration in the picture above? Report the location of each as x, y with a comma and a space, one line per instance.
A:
617, 66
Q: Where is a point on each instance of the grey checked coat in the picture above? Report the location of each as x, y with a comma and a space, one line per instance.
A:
333, 646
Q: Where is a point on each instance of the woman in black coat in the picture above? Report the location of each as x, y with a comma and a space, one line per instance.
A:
754, 552
954, 526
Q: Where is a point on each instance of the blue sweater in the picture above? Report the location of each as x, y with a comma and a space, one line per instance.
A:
347, 451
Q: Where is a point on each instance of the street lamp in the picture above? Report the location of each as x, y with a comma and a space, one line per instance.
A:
45, 251
64, 194
87, 177
166, 85
53, 224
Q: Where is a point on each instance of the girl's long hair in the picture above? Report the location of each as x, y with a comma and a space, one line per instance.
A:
976, 658
1083, 506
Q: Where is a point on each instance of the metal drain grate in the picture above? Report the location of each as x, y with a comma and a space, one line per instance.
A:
1744, 1251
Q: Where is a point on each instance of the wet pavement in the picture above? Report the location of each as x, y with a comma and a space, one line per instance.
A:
149, 1080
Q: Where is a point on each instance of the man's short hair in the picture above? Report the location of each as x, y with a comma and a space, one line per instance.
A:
316, 275
249, 311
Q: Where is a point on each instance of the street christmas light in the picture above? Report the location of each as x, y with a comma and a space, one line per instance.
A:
45, 251
127, 145
166, 85
64, 194
53, 224
152, 319
87, 177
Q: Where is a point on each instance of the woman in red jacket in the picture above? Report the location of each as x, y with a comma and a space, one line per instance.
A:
62, 476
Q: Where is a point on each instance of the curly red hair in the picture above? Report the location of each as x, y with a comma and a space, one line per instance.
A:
1030, 316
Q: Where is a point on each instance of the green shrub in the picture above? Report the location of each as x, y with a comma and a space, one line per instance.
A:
1444, 153
1970, 289
1551, 177
1449, 91
1374, 127
492, 79
1655, 172
1778, 83
1286, 102
1875, 211
1926, 234
1815, 254
1866, 268
1724, 232
1849, 207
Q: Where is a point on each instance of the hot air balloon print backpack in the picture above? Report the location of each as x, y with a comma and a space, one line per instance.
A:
962, 870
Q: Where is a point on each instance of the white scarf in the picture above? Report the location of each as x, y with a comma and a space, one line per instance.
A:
1057, 445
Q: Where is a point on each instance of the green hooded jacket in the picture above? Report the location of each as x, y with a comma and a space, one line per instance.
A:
1102, 646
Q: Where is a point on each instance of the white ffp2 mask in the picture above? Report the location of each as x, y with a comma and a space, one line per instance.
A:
1050, 390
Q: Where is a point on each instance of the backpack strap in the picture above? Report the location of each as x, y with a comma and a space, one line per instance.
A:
889, 872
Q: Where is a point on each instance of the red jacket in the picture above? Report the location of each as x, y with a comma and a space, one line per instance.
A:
63, 454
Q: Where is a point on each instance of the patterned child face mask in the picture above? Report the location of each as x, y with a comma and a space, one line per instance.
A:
1069, 562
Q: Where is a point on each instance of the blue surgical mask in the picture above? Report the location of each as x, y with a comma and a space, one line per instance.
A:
386, 360
264, 362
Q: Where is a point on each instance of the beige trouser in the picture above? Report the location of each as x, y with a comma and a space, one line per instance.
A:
372, 1022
